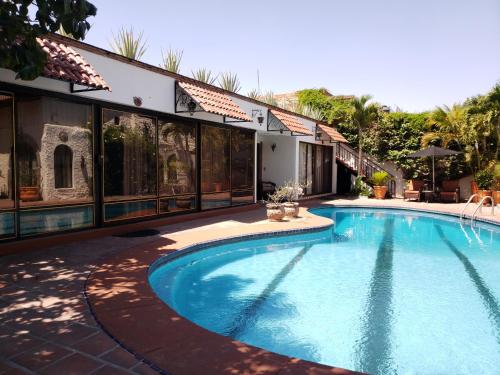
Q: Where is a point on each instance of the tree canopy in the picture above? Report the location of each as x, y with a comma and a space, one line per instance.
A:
19, 50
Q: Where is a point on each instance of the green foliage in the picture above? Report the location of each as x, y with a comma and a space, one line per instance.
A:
204, 75
19, 50
172, 62
380, 178
230, 82
484, 179
361, 188
254, 94
128, 44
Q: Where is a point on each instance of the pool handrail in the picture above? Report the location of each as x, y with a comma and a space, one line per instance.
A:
480, 207
467, 204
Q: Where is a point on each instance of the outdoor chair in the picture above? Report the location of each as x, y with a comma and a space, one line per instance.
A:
414, 191
450, 191
268, 188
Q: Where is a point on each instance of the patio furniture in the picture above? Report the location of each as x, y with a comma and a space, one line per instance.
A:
450, 191
428, 196
268, 188
414, 191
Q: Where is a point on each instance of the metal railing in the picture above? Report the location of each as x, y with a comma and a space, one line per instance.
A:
479, 207
349, 157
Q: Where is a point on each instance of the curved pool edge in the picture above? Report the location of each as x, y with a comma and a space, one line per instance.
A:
127, 309
121, 300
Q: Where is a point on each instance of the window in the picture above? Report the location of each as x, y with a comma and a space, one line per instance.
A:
177, 158
315, 168
63, 167
242, 166
7, 219
215, 168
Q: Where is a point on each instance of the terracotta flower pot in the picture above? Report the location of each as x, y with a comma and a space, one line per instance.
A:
380, 192
29, 193
275, 211
484, 193
291, 209
496, 197
473, 190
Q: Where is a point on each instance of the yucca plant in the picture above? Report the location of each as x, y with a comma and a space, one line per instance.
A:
204, 75
269, 98
172, 60
229, 81
128, 44
254, 94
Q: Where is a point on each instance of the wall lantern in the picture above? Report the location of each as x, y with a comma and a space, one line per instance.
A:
273, 146
260, 117
137, 101
191, 105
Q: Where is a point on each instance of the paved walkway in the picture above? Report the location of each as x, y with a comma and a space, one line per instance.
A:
45, 323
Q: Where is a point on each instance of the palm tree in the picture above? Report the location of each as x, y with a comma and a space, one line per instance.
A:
204, 75
445, 125
364, 115
127, 44
172, 60
230, 82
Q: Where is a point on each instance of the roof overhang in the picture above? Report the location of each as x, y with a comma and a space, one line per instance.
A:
325, 133
278, 121
65, 64
192, 96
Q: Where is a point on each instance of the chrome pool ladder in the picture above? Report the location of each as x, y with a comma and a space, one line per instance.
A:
479, 207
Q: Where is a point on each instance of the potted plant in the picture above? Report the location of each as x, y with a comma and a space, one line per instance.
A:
28, 191
361, 188
292, 191
484, 180
496, 184
274, 206
379, 181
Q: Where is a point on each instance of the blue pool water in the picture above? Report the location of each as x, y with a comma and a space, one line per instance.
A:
381, 291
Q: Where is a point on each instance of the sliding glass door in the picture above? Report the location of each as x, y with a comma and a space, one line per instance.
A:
315, 168
7, 202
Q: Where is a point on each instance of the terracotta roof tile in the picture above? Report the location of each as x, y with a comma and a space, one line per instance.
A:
332, 133
213, 101
292, 123
64, 63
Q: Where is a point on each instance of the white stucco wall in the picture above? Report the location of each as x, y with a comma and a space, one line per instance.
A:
282, 164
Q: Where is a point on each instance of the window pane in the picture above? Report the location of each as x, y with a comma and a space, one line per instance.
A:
242, 159
6, 154
215, 157
129, 210
129, 155
215, 200
177, 158
45, 125
242, 197
177, 204
53, 220
7, 224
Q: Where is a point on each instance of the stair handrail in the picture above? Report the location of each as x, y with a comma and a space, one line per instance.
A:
480, 207
469, 201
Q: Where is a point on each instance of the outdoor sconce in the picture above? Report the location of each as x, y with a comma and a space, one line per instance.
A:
191, 105
260, 117
273, 146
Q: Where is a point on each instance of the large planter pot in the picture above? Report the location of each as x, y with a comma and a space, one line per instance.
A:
485, 193
379, 192
29, 193
275, 211
496, 197
291, 209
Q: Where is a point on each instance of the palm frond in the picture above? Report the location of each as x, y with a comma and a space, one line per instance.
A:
229, 81
172, 60
204, 75
128, 44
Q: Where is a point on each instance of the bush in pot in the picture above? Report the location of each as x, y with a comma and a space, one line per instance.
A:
484, 180
274, 206
379, 181
292, 191
361, 189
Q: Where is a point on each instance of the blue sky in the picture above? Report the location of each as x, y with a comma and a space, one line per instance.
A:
406, 53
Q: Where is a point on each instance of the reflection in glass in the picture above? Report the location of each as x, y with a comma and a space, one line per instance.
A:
242, 159
6, 155
215, 159
215, 200
177, 204
7, 224
242, 197
315, 167
129, 155
177, 158
53, 220
54, 148
129, 210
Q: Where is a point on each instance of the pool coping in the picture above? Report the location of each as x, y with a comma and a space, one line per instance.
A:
190, 347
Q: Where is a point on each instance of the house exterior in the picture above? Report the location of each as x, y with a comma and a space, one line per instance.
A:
101, 139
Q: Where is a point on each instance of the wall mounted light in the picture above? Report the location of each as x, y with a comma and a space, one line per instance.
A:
273, 146
260, 117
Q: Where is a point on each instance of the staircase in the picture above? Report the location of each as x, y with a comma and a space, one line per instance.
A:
349, 158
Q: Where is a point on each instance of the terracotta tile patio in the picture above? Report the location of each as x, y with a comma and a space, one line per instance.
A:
46, 325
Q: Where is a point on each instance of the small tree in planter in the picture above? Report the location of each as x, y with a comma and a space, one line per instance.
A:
484, 180
292, 191
361, 188
274, 205
379, 181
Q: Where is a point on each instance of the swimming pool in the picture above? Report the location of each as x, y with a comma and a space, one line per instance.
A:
381, 291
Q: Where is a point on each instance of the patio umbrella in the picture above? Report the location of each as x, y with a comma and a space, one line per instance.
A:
434, 152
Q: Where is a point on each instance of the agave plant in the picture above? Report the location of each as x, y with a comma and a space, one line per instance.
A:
269, 98
229, 81
172, 60
254, 94
128, 44
204, 75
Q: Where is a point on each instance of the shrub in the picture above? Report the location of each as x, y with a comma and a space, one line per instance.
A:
380, 178
484, 179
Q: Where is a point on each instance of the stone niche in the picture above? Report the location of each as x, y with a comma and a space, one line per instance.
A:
79, 140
